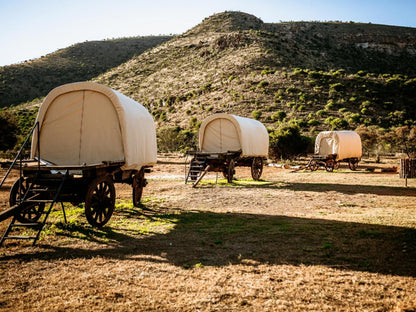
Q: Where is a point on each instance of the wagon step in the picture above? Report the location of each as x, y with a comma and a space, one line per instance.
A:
40, 201
28, 213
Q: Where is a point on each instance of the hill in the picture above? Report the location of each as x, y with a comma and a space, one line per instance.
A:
313, 75
317, 75
35, 78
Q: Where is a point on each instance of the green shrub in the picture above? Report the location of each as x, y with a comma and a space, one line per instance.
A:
339, 123
279, 116
263, 84
321, 113
287, 142
175, 139
8, 130
256, 114
354, 118
313, 122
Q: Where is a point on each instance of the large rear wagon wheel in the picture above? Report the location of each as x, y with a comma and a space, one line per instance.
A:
230, 171
353, 164
256, 168
31, 212
100, 201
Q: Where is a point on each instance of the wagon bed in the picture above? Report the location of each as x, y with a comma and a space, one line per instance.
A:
330, 162
41, 186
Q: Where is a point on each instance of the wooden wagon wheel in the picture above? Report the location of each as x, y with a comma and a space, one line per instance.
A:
256, 168
138, 185
353, 164
313, 165
230, 171
329, 165
31, 212
100, 201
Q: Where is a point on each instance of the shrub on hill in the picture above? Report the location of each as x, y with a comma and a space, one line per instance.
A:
287, 142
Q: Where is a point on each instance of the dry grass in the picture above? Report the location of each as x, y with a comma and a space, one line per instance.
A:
297, 241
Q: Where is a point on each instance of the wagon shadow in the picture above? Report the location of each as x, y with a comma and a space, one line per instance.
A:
328, 187
221, 239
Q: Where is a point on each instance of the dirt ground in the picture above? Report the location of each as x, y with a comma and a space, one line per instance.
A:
295, 241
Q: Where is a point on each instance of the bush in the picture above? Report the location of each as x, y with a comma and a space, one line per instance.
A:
279, 116
287, 143
339, 123
8, 130
256, 114
175, 139
263, 84
313, 122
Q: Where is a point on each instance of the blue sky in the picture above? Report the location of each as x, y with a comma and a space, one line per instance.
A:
32, 28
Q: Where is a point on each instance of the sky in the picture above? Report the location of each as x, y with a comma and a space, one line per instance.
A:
32, 28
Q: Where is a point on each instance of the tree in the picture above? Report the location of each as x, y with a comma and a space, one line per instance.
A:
287, 142
405, 139
8, 130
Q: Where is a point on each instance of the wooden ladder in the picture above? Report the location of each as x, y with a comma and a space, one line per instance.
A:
197, 169
33, 196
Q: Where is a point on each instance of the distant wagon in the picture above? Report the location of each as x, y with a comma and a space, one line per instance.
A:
333, 147
86, 137
227, 141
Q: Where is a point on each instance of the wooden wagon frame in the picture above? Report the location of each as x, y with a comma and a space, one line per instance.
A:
330, 162
334, 147
42, 184
225, 142
225, 163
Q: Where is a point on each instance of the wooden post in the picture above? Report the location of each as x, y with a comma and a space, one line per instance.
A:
407, 169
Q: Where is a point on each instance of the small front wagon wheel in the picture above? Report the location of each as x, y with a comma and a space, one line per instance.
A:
329, 165
100, 201
313, 165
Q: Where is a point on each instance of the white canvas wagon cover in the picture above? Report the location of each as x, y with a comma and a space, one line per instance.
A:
86, 123
223, 133
346, 144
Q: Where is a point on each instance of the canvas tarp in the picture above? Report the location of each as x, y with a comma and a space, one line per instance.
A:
223, 133
85, 123
346, 144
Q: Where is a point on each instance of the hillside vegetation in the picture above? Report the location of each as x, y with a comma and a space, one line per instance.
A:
35, 78
311, 76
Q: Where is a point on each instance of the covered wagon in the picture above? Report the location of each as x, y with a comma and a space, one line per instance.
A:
226, 141
86, 137
333, 147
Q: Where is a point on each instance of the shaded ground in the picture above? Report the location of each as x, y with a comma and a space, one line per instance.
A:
295, 241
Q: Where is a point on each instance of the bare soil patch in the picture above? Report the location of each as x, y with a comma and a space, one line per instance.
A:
295, 241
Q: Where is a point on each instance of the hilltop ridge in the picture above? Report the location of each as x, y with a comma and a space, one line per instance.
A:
83, 61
